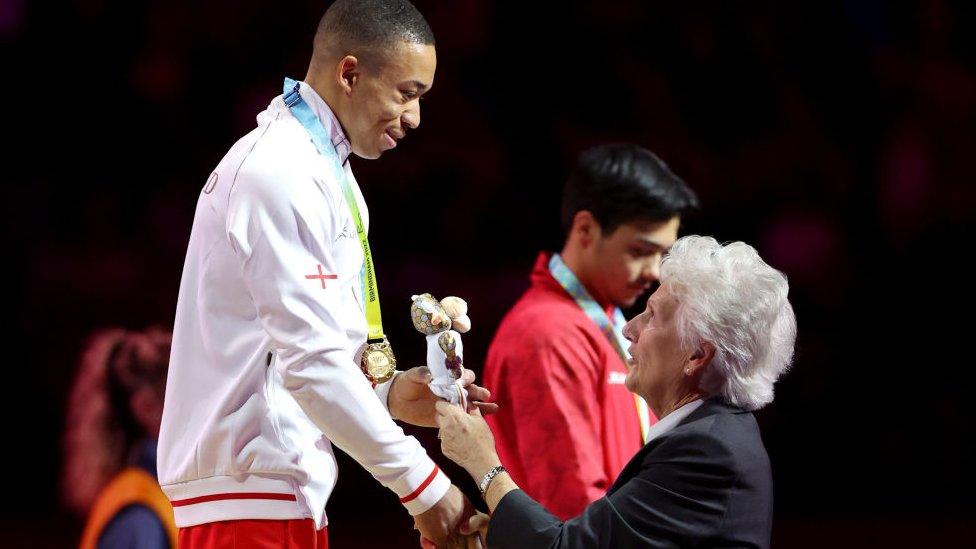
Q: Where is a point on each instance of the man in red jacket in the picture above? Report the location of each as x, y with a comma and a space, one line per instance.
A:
566, 424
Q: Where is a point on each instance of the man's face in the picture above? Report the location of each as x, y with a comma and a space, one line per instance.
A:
385, 102
657, 360
625, 263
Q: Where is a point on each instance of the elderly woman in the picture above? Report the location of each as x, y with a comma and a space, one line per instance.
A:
705, 354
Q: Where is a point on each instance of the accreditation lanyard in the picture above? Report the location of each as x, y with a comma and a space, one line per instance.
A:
611, 328
304, 114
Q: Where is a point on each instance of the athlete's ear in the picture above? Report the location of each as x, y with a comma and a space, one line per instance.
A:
347, 73
585, 228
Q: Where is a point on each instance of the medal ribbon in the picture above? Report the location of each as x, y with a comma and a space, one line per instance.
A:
305, 115
611, 328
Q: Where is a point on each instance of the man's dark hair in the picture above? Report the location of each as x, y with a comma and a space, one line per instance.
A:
621, 183
369, 28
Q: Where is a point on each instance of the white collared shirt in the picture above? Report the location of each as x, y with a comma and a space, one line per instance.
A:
264, 371
670, 421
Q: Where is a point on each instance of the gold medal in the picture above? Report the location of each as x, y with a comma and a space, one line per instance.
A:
378, 362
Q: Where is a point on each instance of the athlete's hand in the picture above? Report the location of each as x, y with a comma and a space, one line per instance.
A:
439, 524
411, 400
474, 530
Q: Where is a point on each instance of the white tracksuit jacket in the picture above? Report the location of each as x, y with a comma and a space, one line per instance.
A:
264, 374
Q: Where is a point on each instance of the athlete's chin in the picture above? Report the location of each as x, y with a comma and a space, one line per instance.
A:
365, 149
633, 294
627, 301
368, 155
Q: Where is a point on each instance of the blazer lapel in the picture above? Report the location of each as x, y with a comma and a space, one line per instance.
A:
711, 406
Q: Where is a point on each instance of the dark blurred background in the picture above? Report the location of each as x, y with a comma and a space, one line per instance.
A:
835, 136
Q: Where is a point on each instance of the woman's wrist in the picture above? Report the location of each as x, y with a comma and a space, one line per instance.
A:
480, 468
487, 479
500, 486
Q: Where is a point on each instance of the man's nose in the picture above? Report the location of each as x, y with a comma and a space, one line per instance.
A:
651, 269
411, 116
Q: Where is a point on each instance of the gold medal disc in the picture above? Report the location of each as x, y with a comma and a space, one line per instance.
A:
378, 362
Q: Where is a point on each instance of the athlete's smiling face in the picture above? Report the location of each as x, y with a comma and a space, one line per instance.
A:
384, 98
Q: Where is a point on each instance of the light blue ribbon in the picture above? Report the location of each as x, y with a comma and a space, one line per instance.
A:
323, 144
612, 329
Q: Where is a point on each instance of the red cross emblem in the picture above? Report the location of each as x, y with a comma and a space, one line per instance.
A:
321, 276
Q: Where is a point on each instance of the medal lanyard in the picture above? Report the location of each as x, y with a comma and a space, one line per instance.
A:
612, 329
305, 115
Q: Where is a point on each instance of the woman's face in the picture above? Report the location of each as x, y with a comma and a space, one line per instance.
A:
656, 368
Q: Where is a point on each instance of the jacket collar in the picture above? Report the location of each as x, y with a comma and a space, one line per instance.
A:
329, 121
541, 278
711, 406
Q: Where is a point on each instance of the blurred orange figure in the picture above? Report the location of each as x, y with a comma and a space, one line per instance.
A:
110, 441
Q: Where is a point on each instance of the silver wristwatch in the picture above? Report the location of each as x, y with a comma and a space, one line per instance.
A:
486, 480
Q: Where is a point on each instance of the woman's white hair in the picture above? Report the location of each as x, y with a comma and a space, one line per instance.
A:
729, 297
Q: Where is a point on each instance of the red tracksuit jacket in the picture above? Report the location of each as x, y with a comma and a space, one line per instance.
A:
566, 425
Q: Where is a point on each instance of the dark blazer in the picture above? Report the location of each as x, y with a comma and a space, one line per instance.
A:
706, 483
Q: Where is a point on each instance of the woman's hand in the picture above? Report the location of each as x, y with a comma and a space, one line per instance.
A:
466, 439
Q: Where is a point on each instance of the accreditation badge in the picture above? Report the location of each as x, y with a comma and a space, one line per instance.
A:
378, 362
